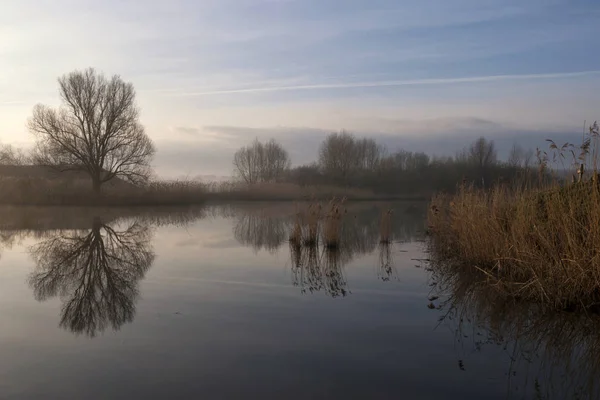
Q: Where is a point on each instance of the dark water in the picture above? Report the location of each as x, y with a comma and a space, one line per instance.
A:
214, 303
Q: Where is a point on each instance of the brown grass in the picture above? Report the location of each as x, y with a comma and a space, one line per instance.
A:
385, 228
52, 190
312, 217
279, 191
296, 234
539, 244
42, 191
333, 222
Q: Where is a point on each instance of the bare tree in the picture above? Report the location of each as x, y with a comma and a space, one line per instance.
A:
483, 153
245, 164
275, 162
10, 155
368, 154
516, 157
527, 158
95, 130
338, 153
261, 162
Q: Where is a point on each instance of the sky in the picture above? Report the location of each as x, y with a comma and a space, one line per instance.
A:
212, 75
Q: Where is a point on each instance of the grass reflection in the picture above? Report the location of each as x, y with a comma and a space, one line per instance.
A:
550, 355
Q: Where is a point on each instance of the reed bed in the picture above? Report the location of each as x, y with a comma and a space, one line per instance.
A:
542, 245
539, 243
78, 192
281, 191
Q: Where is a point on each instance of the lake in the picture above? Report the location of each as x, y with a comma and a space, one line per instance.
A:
214, 303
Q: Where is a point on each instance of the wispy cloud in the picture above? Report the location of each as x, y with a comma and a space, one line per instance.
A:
409, 82
386, 67
11, 102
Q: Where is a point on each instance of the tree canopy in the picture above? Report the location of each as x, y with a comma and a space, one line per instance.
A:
96, 129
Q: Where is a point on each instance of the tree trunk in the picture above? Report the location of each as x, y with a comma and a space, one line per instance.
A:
96, 185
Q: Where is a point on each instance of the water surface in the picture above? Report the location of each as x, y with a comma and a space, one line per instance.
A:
215, 303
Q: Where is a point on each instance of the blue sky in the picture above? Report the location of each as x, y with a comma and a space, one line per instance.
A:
211, 75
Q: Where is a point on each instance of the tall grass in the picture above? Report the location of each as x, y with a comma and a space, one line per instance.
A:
333, 222
279, 191
43, 191
311, 224
66, 191
307, 223
385, 227
537, 243
542, 245
296, 234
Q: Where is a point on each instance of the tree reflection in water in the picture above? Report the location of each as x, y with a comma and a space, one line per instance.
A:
95, 272
260, 231
558, 353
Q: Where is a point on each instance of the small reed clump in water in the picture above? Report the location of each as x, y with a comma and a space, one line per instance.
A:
311, 229
296, 234
333, 223
305, 230
385, 228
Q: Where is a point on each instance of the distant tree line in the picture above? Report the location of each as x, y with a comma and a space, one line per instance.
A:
347, 160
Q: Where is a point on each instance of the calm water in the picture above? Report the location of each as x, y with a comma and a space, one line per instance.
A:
214, 303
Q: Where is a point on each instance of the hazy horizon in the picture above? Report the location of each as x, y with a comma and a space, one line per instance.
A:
212, 75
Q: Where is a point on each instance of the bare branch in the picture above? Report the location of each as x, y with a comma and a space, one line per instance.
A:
96, 130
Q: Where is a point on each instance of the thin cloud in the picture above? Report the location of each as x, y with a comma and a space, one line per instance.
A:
11, 102
411, 82
187, 130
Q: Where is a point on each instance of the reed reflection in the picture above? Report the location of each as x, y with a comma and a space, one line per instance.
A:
95, 272
386, 270
316, 270
360, 230
550, 355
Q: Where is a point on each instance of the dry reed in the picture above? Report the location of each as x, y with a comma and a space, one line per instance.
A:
536, 243
296, 234
542, 245
385, 228
44, 191
311, 224
333, 223
281, 191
